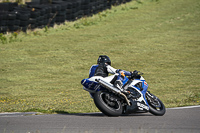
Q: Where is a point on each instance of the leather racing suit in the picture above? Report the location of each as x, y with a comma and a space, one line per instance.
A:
104, 69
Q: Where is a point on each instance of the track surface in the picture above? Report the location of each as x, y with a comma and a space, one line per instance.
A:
176, 120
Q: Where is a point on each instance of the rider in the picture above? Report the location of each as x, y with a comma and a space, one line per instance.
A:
103, 68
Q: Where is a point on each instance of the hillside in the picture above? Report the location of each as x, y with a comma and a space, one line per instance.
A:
41, 70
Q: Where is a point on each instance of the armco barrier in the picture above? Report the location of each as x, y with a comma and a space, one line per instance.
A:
15, 17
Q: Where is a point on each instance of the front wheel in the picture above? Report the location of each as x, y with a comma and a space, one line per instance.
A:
108, 103
156, 106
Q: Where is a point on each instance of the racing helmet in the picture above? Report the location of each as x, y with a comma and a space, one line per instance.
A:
104, 59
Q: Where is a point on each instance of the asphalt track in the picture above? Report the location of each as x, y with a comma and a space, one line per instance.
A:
176, 120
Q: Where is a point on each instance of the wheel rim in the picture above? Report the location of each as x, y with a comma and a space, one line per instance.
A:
154, 102
109, 101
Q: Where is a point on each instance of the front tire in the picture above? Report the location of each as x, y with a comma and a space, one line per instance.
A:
156, 106
107, 103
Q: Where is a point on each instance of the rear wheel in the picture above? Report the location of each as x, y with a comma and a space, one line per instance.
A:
108, 103
156, 106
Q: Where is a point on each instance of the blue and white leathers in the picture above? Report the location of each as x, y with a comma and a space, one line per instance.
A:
110, 70
92, 72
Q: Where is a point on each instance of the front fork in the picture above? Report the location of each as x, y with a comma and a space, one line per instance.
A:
153, 100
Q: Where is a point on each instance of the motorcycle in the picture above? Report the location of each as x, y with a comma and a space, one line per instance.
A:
113, 102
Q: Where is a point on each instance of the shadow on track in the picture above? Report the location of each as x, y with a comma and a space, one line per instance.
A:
99, 114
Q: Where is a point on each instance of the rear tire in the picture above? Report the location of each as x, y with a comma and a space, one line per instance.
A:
108, 104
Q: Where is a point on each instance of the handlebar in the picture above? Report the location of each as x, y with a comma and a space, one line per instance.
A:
136, 74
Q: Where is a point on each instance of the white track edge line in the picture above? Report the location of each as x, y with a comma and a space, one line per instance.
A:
186, 107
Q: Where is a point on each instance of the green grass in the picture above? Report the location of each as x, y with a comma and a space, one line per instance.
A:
41, 70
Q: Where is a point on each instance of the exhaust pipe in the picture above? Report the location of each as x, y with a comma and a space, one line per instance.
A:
113, 89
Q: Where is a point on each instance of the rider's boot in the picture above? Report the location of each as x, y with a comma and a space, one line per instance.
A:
118, 84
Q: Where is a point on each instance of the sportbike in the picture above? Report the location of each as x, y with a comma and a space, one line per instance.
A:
113, 102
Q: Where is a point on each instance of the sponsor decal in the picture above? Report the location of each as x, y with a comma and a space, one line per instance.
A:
145, 83
142, 106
